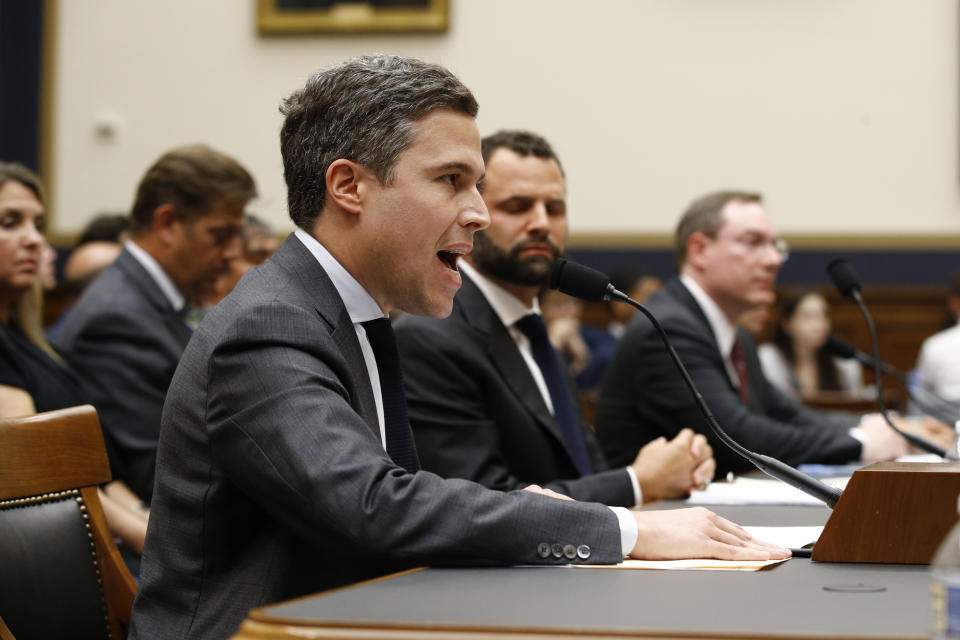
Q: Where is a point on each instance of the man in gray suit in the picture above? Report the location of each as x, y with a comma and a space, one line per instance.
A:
286, 462
127, 332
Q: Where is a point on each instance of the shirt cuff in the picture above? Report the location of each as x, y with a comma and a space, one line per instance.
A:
637, 491
628, 529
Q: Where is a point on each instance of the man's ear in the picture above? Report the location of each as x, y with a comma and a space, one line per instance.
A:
697, 243
346, 184
167, 224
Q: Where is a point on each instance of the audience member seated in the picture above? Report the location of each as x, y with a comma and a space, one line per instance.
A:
938, 366
639, 285
259, 242
795, 362
728, 255
258, 245
97, 246
127, 332
33, 376
106, 227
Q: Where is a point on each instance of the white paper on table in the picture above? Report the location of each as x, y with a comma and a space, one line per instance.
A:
757, 491
787, 537
699, 564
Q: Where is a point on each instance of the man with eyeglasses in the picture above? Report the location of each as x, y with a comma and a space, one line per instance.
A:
728, 256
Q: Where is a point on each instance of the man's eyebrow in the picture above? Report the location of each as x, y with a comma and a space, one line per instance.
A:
463, 167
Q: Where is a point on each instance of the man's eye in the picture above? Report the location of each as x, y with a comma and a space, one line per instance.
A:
451, 179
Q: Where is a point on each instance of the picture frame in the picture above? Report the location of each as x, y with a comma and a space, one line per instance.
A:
339, 16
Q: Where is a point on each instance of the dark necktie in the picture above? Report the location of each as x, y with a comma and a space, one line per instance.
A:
740, 366
548, 360
397, 430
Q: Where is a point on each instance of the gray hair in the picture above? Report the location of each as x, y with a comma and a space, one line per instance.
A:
363, 110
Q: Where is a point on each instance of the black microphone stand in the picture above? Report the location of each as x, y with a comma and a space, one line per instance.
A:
770, 466
846, 282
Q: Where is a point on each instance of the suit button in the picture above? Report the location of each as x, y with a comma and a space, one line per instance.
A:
583, 552
570, 552
557, 550
543, 550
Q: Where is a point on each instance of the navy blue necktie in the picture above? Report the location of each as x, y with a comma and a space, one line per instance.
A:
551, 367
396, 421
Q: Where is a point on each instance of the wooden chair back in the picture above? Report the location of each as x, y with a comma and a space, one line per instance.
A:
62, 575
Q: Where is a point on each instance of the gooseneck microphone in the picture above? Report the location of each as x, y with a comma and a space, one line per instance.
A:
591, 285
945, 410
848, 284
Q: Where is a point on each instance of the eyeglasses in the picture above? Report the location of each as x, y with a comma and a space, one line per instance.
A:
756, 244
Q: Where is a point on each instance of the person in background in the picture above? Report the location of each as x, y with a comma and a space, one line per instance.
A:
728, 256
106, 227
639, 284
259, 244
33, 376
937, 368
795, 362
128, 330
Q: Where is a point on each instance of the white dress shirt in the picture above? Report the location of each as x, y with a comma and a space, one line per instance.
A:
937, 366
166, 284
361, 307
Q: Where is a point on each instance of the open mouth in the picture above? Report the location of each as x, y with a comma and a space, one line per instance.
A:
449, 258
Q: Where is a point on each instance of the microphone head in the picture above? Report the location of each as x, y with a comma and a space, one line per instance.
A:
844, 277
839, 348
579, 281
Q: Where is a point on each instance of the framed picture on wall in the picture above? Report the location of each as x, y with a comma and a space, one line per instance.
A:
339, 16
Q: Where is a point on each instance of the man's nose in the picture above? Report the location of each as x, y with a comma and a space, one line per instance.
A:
539, 219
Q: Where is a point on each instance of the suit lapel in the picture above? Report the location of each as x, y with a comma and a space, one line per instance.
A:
151, 291
506, 356
680, 292
298, 261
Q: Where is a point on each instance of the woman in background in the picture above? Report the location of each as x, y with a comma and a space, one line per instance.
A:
796, 362
33, 377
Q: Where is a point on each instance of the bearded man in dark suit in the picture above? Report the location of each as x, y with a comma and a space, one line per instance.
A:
480, 405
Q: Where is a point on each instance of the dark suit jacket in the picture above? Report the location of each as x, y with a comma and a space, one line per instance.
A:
125, 339
478, 414
272, 482
644, 397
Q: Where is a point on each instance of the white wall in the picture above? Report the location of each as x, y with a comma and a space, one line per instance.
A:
843, 112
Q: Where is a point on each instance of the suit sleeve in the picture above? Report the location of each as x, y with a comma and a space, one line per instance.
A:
281, 427
452, 391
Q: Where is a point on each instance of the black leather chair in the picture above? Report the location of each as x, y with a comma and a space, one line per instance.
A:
61, 576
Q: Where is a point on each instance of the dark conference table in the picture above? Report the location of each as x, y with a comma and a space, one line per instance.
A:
797, 599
